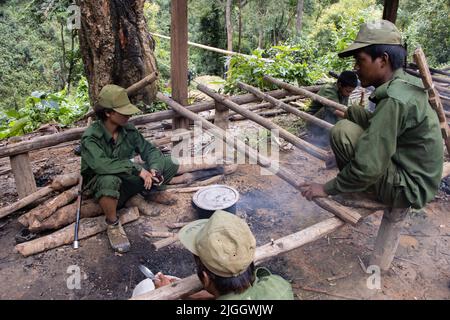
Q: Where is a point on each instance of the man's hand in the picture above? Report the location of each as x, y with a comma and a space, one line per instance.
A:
313, 190
147, 177
157, 177
161, 280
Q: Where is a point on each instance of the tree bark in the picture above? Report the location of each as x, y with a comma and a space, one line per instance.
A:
229, 25
240, 26
298, 25
116, 46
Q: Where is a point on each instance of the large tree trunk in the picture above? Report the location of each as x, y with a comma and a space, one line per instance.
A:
116, 46
229, 25
298, 25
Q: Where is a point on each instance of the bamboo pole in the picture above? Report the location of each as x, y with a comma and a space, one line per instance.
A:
306, 116
299, 143
306, 93
192, 284
433, 96
344, 213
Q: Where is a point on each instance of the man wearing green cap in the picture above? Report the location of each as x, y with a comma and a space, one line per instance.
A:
224, 249
107, 149
396, 151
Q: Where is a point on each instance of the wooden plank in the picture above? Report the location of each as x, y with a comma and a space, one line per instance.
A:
23, 174
179, 58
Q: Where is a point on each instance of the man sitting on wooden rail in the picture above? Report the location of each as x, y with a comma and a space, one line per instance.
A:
107, 149
396, 152
224, 249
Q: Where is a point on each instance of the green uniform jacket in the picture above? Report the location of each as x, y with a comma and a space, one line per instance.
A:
101, 156
331, 92
403, 129
266, 287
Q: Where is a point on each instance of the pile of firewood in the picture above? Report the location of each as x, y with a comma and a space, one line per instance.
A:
59, 213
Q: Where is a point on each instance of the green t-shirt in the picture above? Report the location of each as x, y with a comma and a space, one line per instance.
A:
267, 286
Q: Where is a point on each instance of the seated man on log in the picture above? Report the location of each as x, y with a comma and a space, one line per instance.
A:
108, 148
338, 92
396, 151
224, 249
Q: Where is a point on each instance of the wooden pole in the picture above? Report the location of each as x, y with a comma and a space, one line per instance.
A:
179, 57
192, 284
306, 116
291, 178
23, 174
299, 143
134, 88
165, 242
436, 79
302, 91
433, 96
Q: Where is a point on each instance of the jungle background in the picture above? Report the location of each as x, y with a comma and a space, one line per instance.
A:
42, 78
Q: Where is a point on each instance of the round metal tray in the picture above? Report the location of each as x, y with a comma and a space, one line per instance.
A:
216, 197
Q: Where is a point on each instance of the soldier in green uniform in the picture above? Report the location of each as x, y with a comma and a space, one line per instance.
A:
338, 92
396, 152
108, 148
224, 250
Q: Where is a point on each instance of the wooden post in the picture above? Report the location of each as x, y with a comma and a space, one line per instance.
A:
388, 237
179, 58
23, 174
390, 10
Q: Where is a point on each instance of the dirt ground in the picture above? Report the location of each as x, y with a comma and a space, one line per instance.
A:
330, 266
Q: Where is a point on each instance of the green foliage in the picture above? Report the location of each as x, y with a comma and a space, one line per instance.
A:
44, 107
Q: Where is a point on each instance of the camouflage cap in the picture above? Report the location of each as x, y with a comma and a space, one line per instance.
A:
376, 32
114, 97
224, 243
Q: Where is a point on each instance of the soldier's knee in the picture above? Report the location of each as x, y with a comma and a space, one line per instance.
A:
107, 185
345, 130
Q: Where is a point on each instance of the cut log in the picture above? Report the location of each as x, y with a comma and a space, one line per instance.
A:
159, 234
332, 206
177, 225
305, 116
298, 90
192, 284
23, 175
165, 242
46, 209
58, 183
134, 88
296, 141
65, 216
88, 228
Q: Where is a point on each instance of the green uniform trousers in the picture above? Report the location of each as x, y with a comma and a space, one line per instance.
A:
123, 186
343, 139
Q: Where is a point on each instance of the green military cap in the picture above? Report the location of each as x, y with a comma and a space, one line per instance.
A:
375, 32
116, 98
224, 243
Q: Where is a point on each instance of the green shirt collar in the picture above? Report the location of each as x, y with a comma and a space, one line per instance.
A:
381, 91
